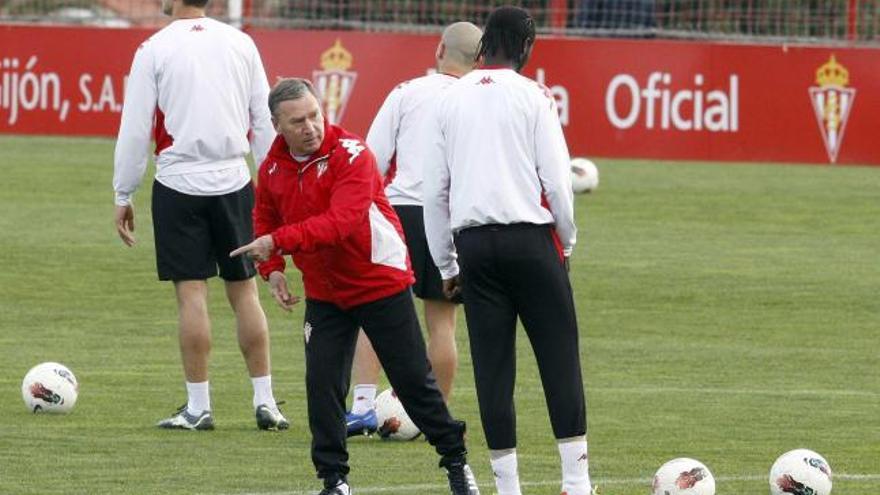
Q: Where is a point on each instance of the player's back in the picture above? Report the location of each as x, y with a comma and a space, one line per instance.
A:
396, 133
416, 96
489, 118
204, 73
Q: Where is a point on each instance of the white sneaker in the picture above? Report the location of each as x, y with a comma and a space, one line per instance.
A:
461, 479
270, 419
341, 489
183, 420
594, 491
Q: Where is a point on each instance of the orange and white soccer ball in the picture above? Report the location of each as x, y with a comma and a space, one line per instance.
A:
584, 175
683, 476
394, 422
800, 471
50, 388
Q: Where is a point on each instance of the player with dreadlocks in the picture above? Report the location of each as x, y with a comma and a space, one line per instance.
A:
498, 201
508, 39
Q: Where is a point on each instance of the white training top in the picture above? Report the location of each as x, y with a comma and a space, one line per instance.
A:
203, 84
394, 135
495, 152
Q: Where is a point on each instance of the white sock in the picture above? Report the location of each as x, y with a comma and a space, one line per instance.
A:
198, 398
505, 468
363, 398
263, 392
575, 466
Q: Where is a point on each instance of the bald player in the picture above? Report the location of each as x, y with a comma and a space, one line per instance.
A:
394, 138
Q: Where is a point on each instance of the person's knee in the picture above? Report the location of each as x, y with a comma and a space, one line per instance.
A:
324, 381
500, 414
443, 358
442, 349
195, 336
192, 295
254, 338
440, 319
408, 384
242, 293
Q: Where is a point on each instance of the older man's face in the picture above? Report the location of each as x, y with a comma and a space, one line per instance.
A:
301, 123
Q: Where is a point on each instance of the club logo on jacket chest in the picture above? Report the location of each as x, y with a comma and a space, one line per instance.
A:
321, 167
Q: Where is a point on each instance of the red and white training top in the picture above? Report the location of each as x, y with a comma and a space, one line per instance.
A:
394, 135
202, 84
330, 213
494, 154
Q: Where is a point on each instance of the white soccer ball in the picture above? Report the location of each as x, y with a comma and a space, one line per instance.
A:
394, 423
800, 472
49, 388
584, 175
683, 476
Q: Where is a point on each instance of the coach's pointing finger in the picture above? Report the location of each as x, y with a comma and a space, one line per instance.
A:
242, 250
260, 249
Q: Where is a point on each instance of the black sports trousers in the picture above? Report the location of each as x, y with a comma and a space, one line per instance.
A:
393, 328
510, 271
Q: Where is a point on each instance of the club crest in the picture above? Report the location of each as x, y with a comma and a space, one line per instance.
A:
335, 82
832, 102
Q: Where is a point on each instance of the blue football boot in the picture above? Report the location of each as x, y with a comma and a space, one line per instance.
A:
361, 424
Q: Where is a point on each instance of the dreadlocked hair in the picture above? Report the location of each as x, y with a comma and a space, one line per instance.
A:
507, 31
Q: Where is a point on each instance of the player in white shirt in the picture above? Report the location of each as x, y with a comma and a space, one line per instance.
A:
200, 86
394, 139
497, 182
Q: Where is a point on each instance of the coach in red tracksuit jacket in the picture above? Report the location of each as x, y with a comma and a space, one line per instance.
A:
320, 199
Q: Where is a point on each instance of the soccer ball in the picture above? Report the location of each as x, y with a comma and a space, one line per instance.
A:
683, 476
584, 175
800, 472
50, 388
394, 423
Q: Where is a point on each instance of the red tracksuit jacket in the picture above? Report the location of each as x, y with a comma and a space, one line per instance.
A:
331, 214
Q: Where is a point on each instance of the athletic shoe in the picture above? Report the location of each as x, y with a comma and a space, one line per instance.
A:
271, 419
341, 488
183, 420
594, 491
361, 424
461, 479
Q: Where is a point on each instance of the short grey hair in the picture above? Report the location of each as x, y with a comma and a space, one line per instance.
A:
292, 88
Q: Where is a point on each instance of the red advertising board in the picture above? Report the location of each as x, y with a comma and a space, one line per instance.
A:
65, 81
617, 98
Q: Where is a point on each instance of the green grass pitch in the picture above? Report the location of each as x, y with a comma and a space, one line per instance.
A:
728, 313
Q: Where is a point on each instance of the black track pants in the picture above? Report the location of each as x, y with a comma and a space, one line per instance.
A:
511, 271
393, 328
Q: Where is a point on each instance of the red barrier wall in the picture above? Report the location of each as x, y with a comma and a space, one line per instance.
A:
618, 98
